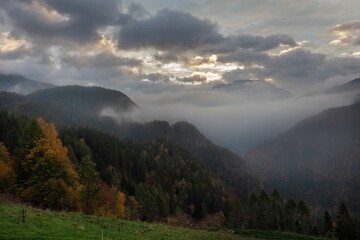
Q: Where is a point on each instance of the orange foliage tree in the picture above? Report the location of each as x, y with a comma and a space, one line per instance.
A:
53, 181
7, 174
120, 204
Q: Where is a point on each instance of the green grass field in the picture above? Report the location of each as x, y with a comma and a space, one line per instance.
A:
42, 224
274, 235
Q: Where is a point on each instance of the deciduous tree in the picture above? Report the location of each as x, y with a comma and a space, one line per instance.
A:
53, 181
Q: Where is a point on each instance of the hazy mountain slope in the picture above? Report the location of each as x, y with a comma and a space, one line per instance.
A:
318, 159
351, 86
82, 106
77, 105
21, 85
254, 89
84, 98
19, 104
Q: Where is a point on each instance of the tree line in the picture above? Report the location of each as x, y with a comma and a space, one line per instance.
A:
270, 212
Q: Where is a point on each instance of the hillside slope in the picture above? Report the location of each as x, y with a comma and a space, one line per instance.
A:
317, 160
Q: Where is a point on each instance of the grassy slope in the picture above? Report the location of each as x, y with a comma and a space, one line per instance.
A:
41, 224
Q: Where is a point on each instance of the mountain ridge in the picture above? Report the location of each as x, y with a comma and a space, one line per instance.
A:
21, 85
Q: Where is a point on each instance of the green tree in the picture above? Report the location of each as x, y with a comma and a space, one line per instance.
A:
263, 201
303, 212
29, 133
253, 205
236, 215
328, 224
345, 229
276, 203
290, 209
91, 189
153, 200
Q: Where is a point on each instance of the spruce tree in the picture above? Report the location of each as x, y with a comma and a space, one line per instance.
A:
277, 201
290, 208
345, 229
327, 222
253, 202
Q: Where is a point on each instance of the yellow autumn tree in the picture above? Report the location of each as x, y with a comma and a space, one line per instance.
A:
7, 174
120, 204
53, 181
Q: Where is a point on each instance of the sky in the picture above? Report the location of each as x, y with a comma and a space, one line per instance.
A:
222, 65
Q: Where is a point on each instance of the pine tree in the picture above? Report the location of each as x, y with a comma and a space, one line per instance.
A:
277, 203
236, 215
263, 201
91, 190
345, 229
304, 214
327, 222
290, 208
253, 203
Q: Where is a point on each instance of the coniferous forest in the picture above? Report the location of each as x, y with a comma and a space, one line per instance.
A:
87, 170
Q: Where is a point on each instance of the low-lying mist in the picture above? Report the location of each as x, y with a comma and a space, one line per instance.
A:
236, 122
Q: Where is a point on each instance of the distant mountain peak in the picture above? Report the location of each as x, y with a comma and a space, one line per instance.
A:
21, 85
258, 89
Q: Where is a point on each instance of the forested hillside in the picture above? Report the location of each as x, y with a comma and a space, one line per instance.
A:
96, 173
154, 179
155, 171
226, 164
81, 106
318, 159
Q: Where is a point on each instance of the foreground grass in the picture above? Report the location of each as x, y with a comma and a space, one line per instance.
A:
41, 224
274, 235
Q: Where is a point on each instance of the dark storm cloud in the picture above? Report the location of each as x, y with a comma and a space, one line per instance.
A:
169, 29
102, 60
301, 68
138, 11
298, 64
244, 57
297, 69
2, 17
249, 42
84, 17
